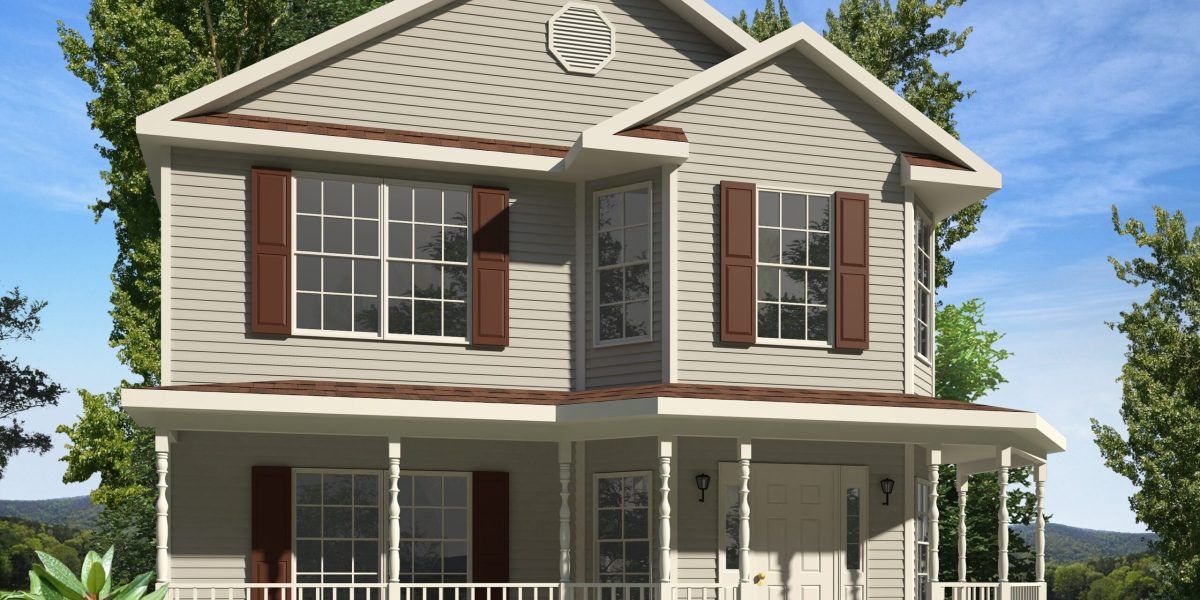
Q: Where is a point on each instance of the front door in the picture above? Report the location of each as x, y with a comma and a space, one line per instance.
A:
793, 551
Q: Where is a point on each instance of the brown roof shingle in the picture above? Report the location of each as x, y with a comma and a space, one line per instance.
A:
930, 160
656, 132
347, 389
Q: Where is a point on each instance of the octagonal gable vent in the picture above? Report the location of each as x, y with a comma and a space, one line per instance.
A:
581, 38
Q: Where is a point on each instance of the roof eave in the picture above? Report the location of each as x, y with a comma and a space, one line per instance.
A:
944, 192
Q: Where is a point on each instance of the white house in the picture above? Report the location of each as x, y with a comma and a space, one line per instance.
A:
559, 301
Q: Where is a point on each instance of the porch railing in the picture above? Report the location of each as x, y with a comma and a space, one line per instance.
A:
957, 590
1028, 591
446, 591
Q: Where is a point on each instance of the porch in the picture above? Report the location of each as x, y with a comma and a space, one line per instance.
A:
557, 545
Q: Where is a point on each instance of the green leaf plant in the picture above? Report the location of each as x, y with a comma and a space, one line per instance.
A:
53, 580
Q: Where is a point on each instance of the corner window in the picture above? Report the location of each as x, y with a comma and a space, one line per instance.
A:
337, 525
381, 259
924, 275
622, 256
793, 266
922, 537
623, 527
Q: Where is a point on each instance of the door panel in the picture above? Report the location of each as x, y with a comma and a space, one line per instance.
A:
792, 512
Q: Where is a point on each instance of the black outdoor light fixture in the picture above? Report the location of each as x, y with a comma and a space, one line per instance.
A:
886, 484
702, 481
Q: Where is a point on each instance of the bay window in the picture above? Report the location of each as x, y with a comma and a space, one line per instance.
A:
622, 258
923, 253
794, 264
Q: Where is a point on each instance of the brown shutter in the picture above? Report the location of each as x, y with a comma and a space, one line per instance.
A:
738, 266
489, 267
489, 526
270, 527
851, 263
270, 251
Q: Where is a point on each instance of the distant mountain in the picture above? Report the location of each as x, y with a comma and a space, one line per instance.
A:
77, 512
1066, 544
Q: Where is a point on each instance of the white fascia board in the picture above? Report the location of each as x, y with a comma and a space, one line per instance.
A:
946, 191
306, 145
709, 21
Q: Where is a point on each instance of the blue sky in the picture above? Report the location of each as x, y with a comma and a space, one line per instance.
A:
1081, 104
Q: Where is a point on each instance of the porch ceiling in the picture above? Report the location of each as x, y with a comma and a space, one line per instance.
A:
634, 411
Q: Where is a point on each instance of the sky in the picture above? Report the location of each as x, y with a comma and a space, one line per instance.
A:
1081, 104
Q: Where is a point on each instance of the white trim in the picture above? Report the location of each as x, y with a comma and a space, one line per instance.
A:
670, 291
563, 61
579, 283
595, 263
909, 522
164, 270
908, 303
579, 574
651, 515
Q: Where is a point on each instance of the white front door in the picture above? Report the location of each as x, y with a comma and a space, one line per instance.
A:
793, 546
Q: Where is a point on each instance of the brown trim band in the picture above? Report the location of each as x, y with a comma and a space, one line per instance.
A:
656, 132
930, 160
378, 133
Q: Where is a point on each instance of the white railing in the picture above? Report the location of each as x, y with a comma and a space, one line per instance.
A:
965, 590
704, 592
1028, 591
610, 591
278, 591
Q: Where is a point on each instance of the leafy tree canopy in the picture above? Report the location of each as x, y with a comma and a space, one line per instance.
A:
21, 387
767, 22
1160, 403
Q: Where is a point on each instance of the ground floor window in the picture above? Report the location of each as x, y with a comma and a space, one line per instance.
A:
922, 537
337, 528
623, 527
435, 527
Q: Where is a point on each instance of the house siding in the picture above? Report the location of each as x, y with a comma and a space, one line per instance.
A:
789, 125
482, 68
209, 297
210, 492
922, 377
638, 362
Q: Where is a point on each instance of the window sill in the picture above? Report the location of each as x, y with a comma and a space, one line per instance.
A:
419, 339
622, 342
924, 360
793, 343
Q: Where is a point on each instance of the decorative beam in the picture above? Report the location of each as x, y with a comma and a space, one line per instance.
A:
162, 553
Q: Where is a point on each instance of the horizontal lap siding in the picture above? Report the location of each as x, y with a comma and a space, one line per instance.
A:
209, 299
922, 378
789, 125
624, 364
210, 492
482, 68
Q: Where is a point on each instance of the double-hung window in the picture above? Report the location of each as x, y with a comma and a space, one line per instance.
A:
794, 232
337, 528
623, 264
381, 259
435, 527
923, 254
623, 527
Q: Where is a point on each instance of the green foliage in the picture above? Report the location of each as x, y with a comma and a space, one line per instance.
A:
767, 22
1065, 544
1160, 402
77, 512
19, 539
54, 580
897, 44
1129, 578
22, 387
968, 358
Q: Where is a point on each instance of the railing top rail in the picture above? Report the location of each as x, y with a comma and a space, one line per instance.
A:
965, 584
274, 586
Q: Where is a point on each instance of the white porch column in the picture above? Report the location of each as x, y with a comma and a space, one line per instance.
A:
665, 572
961, 483
744, 518
565, 465
1039, 568
393, 512
162, 553
1005, 460
935, 459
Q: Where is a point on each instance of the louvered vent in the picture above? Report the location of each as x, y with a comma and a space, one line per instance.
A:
581, 38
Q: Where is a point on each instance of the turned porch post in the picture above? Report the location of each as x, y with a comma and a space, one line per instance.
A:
162, 554
1005, 462
962, 525
1039, 568
744, 518
565, 465
393, 512
935, 459
665, 570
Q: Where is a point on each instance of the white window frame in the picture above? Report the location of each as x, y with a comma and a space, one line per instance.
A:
924, 252
650, 516
828, 343
470, 515
384, 185
382, 532
921, 489
596, 341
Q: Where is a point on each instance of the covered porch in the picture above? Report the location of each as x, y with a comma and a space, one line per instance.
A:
562, 462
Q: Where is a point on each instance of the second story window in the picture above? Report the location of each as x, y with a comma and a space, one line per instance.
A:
622, 257
381, 259
923, 254
793, 266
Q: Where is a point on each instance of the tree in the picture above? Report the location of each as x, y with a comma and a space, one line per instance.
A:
767, 22
1160, 385
1072, 582
22, 387
897, 45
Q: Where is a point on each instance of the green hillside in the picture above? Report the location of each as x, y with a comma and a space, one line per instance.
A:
77, 512
1066, 544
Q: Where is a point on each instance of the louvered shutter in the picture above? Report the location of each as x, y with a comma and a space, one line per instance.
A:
851, 309
738, 262
270, 528
489, 267
489, 526
270, 251
581, 39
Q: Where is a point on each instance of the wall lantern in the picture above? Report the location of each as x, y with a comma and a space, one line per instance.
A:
886, 485
702, 481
